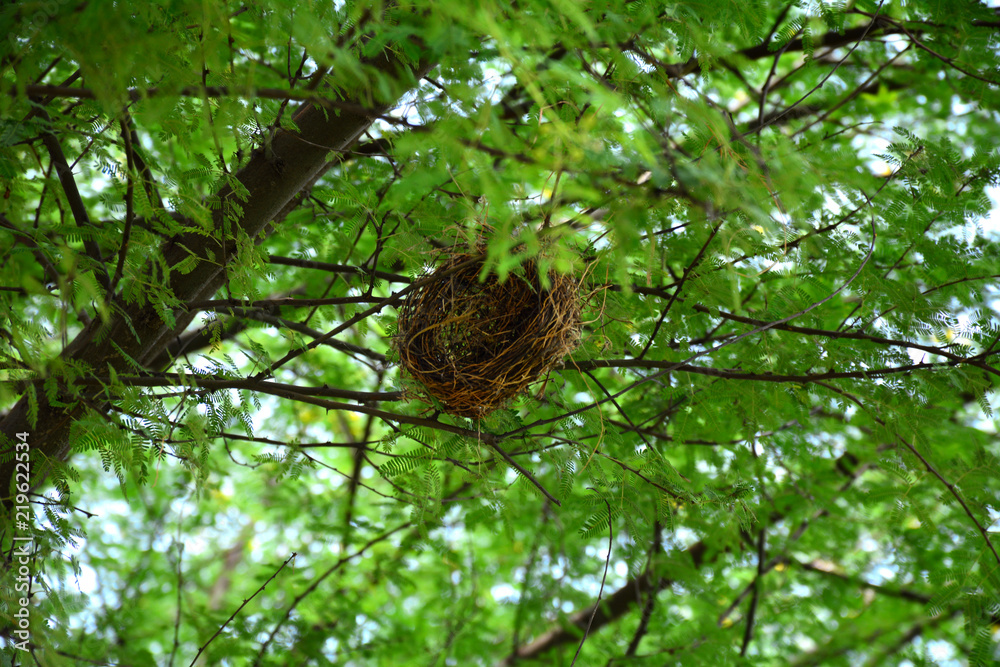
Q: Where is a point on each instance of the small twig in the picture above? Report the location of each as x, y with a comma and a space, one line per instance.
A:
951, 489
600, 593
853, 94
291, 302
76, 205
524, 473
829, 74
391, 300
774, 64
238, 610
755, 597
677, 290
180, 603
647, 610
675, 366
129, 210
927, 464
945, 59
337, 268
316, 582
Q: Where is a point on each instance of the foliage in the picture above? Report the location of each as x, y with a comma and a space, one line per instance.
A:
774, 445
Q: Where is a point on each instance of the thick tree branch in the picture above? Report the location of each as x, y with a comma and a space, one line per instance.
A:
636, 588
76, 205
597, 616
272, 180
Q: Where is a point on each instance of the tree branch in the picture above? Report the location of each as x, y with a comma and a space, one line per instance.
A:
76, 205
272, 179
598, 615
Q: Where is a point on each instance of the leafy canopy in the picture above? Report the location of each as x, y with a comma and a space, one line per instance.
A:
774, 445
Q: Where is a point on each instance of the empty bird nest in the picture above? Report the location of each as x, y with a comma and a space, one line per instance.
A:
476, 344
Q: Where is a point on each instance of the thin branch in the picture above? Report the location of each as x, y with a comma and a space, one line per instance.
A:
291, 302
526, 584
491, 440
621, 601
754, 599
187, 381
688, 270
825, 569
76, 205
954, 491
48, 269
945, 59
391, 300
862, 38
672, 367
240, 608
647, 609
852, 336
337, 268
207, 92
359, 461
731, 374
858, 90
600, 593
335, 343
774, 65
927, 464
315, 584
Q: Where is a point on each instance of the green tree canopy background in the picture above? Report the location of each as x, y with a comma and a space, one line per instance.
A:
775, 443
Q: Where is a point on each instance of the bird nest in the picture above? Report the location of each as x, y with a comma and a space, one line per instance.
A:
475, 345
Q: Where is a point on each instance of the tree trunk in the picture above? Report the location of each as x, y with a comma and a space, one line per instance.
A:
272, 178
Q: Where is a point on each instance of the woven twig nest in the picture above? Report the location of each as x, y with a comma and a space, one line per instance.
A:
474, 345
